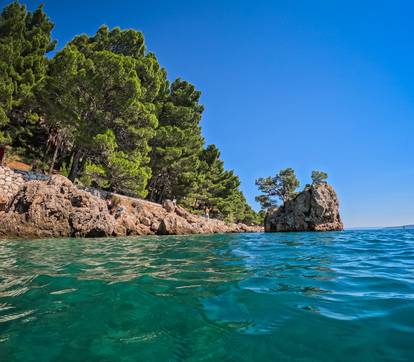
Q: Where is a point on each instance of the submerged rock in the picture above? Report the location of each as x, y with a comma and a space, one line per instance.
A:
314, 209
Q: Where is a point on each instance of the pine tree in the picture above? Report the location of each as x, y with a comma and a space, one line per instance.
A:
103, 110
283, 185
177, 144
25, 38
318, 177
218, 190
115, 170
93, 87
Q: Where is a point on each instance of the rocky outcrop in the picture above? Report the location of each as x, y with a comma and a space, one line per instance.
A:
314, 209
57, 208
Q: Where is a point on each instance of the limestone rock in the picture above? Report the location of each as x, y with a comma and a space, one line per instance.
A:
39, 206
56, 208
3, 201
172, 224
132, 221
168, 205
314, 209
60, 181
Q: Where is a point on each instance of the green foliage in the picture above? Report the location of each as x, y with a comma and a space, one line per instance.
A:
177, 144
266, 202
319, 177
64, 169
94, 86
282, 186
218, 190
267, 185
286, 183
116, 170
25, 38
102, 110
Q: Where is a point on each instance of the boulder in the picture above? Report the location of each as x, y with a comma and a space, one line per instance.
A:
314, 209
56, 208
173, 224
132, 220
3, 201
168, 205
191, 218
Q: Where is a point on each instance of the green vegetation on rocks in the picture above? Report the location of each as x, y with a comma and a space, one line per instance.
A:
283, 187
319, 177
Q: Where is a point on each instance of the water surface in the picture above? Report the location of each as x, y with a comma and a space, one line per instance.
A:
346, 296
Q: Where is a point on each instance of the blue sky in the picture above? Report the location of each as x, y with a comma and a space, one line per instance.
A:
323, 85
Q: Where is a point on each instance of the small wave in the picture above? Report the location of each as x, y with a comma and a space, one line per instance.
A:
321, 296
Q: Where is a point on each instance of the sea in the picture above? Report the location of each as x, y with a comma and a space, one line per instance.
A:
334, 296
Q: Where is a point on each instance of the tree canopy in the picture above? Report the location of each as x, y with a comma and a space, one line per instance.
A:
103, 112
281, 186
177, 143
318, 177
25, 38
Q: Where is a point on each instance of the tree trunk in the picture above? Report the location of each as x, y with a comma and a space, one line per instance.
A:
2, 155
153, 189
55, 154
46, 152
161, 194
52, 164
74, 169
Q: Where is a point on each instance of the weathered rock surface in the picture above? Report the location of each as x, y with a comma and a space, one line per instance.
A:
314, 209
57, 208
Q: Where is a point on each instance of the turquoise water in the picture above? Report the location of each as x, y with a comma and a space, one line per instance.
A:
346, 296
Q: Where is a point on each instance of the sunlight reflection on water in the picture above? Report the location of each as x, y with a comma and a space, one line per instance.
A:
209, 296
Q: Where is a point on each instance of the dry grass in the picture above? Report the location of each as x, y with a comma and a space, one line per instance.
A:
18, 165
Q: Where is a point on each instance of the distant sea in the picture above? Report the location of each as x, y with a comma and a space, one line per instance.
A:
381, 227
401, 227
338, 296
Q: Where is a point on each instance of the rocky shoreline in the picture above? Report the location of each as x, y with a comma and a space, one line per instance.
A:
57, 208
34, 206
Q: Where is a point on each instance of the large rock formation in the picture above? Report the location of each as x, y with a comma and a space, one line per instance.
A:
314, 209
57, 208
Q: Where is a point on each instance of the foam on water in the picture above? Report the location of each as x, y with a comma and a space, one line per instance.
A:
243, 297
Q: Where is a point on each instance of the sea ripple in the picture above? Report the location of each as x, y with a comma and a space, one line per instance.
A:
336, 296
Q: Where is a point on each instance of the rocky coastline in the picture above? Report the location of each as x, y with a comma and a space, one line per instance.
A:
55, 207
34, 206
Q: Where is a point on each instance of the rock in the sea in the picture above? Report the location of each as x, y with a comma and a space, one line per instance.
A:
314, 209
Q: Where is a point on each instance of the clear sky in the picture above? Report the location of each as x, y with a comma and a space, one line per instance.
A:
323, 85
